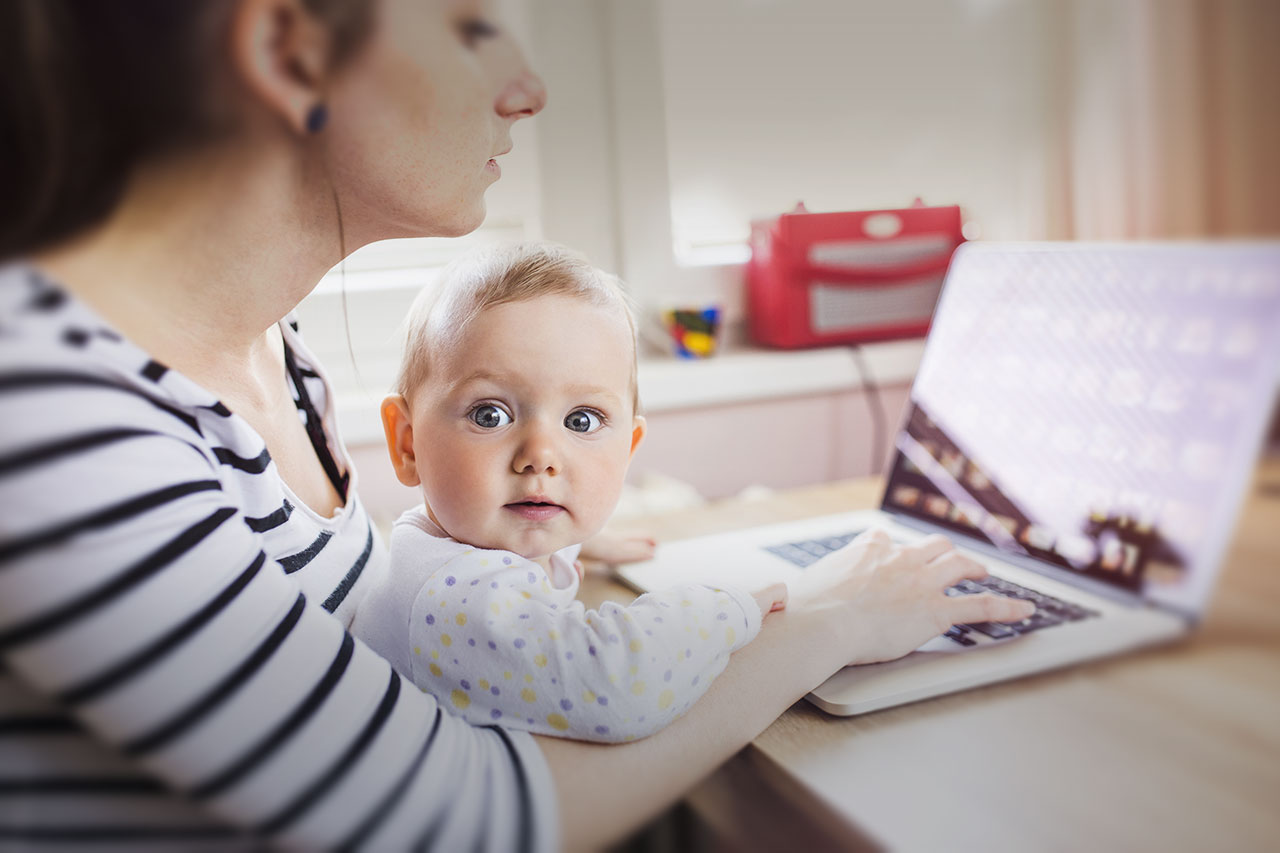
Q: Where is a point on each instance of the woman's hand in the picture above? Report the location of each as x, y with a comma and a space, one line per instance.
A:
884, 600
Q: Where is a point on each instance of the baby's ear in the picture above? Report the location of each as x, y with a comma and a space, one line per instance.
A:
638, 429
397, 426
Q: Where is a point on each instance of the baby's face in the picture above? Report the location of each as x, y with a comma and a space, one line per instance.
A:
524, 429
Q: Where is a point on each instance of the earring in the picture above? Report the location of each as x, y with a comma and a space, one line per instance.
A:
317, 118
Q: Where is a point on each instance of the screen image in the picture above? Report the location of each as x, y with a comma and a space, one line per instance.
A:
1096, 410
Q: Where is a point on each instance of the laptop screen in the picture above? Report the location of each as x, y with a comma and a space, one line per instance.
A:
1096, 407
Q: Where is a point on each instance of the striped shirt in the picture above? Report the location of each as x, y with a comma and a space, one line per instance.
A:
174, 665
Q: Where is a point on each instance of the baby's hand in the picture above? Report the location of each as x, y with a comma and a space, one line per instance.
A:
772, 597
615, 549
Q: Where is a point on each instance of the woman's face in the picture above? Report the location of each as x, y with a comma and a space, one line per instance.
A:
418, 115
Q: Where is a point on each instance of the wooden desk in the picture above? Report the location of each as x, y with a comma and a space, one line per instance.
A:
1176, 748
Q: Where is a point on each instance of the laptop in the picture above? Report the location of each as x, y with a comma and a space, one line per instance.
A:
1085, 422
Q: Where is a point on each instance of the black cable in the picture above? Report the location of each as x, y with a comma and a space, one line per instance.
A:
876, 407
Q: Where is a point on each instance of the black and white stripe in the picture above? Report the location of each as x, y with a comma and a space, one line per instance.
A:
167, 634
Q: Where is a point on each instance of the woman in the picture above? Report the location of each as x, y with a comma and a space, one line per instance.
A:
180, 519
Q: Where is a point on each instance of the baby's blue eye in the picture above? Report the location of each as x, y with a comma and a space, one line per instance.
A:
489, 416
583, 420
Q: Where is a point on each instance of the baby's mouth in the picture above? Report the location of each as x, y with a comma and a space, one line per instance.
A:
534, 510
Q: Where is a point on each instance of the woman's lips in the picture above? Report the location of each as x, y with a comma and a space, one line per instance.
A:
492, 166
535, 511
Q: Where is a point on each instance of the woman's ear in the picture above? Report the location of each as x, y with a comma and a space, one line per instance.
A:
638, 429
281, 53
397, 426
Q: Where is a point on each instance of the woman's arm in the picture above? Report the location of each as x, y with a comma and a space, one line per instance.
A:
134, 593
871, 601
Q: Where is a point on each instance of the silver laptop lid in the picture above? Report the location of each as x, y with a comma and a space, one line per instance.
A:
1096, 408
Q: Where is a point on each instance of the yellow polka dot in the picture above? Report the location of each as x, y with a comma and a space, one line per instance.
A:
460, 699
613, 679
729, 636
507, 675
435, 654
435, 670
636, 645
484, 561
417, 650
461, 619
634, 669
702, 632
638, 688
484, 684
528, 679
588, 696
553, 634
528, 695
431, 591
495, 608
525, 593
540, 660
686, 603
446, 639
557, 722
665, 698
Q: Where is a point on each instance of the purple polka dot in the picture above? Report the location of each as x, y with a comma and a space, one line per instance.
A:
450, 581
647, 631
471, 642
495, 713
603, 700
494, 584
473, 583
495, 691
455, 660
555, 607
566, 704
722, 616
613, 638
506, 561
688, 653
524, 615
666, 676
602, 730
431, 620
695, 681
519, 642
657, 619
466, 685
464, 601
641, 720
493, 645
531, 719
568, 655
553, 681
591, 650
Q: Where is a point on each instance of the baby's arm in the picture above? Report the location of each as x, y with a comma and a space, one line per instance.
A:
513, 653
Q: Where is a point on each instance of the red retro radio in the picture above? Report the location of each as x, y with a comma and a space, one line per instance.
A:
839, 278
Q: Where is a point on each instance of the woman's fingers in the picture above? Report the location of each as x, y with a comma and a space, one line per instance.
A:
953, 567
987, 607
930, 548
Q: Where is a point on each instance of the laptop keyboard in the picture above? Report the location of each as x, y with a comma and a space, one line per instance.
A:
1050, 611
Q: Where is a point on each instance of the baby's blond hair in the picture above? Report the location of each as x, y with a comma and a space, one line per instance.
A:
489, 277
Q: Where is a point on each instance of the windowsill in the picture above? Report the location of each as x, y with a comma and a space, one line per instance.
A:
739, 375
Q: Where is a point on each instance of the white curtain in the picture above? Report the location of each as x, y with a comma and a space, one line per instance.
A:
1169, 120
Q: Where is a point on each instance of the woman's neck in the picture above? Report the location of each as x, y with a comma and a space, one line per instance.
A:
204, 255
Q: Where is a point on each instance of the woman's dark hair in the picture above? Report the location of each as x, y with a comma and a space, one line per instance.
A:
89, 89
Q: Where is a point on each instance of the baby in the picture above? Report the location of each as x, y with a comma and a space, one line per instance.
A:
517, 417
